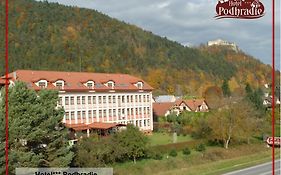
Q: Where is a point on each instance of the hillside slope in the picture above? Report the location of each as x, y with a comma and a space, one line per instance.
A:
49, 36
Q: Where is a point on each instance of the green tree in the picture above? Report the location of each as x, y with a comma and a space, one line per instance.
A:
134, 141
35, 134
225, 89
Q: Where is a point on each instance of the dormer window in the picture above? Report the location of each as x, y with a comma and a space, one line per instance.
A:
42, 84
110, 84
59, 84
139, 85
90, 84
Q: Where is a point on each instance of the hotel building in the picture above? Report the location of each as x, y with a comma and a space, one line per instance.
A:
95, 98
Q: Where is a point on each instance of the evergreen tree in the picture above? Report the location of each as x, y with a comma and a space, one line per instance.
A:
225, 89
36, 137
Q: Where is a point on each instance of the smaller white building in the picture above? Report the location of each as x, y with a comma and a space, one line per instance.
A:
220, 42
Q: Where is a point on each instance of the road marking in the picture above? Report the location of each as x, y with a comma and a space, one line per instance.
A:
245, 169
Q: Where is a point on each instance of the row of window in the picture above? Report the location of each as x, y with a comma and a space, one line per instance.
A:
111, 112
103, 99
90, 84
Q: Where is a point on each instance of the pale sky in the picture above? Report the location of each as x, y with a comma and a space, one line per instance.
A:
192, 22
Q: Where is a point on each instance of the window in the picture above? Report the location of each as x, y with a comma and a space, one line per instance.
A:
148, 100
89, 114
72, 115
67, 114
100, 111
79, 114
83, 100
114, 112
94, 99
104, 99
123, 99
72, 100
78, 100
148, 122
83, 114
59, 84
99, 99
42, 84
148, 110
94, 113
66, 100
136, 98
144, 123
132, 98
110, 84
139, 85
90, 85
113, 99
109, 99
89, 100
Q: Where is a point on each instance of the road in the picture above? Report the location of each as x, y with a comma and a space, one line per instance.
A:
262, 169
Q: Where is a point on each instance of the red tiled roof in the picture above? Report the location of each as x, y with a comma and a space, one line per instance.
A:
193, 104
160, 109
74, 80
96, 125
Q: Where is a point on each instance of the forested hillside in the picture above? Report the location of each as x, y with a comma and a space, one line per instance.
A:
50, 36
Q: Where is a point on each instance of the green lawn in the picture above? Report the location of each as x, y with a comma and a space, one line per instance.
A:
166, 138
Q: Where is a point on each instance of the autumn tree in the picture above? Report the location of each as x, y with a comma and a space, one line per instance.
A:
234, 121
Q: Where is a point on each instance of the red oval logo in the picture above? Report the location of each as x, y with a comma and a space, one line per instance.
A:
243, 9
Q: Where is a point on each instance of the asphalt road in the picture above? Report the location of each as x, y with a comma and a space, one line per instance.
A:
262, 169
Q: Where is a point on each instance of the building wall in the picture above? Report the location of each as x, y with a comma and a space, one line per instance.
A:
112, 107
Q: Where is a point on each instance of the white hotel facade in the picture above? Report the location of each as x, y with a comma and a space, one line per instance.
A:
89, 98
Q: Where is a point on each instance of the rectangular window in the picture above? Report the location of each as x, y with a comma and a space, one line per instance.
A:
100, 111
114, 112
42, 84
83, 100
110, 112
148, 100
66, 114
90, 114
94, 113
72, 115
123, 99
84, 114
72, 100
128, 98
94, 99
99, 98
148, 122
139, 98
136, 98
109, 99
132, 99
66, 100
78, 100
144, 123
89, 100
59, 85
104, 112
78, 114
104, 99
113, 99
148, 110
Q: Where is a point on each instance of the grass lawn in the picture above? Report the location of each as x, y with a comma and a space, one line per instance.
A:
215, 160
166, 138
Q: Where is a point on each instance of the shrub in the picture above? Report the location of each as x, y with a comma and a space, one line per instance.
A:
154, 154
173, 153
201, 147
186, 151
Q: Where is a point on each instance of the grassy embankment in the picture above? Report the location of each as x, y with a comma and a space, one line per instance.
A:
215, 160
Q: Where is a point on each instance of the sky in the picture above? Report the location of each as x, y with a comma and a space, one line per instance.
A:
192, 22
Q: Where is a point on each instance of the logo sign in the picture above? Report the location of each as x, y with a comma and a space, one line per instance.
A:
277, 141
243, 9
